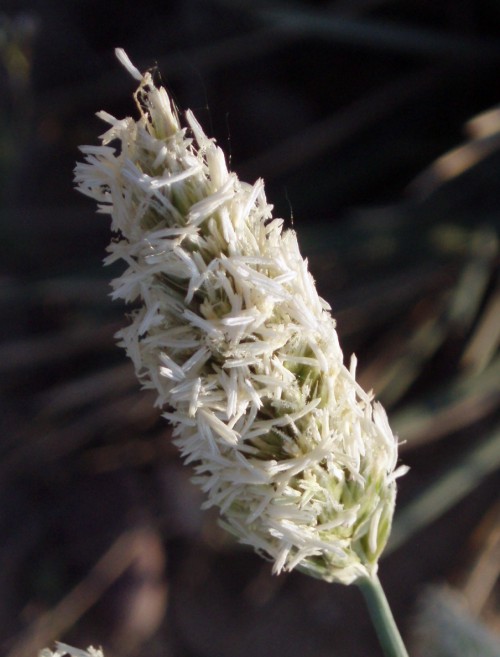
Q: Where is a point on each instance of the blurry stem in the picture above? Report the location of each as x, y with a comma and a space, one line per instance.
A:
382, 618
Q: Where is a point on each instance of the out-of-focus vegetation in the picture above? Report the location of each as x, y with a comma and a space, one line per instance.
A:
375, 127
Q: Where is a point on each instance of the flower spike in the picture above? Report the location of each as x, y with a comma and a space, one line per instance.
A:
242, 352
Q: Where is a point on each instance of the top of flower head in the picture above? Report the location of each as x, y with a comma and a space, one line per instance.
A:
241, 350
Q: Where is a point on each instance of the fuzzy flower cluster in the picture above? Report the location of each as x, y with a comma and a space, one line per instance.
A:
63, 650
242, 352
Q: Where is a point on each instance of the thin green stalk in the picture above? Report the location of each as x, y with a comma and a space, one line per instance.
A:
382, 618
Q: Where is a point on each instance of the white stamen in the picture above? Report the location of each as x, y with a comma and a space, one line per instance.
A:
123, 58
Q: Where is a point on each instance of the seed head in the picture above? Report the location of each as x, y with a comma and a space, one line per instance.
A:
63, 650
242, 352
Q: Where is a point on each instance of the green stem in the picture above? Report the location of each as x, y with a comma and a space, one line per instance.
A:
382, 618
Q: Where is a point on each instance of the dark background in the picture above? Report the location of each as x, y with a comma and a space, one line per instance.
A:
345, 109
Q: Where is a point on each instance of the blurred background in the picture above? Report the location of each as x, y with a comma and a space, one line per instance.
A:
374, 124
